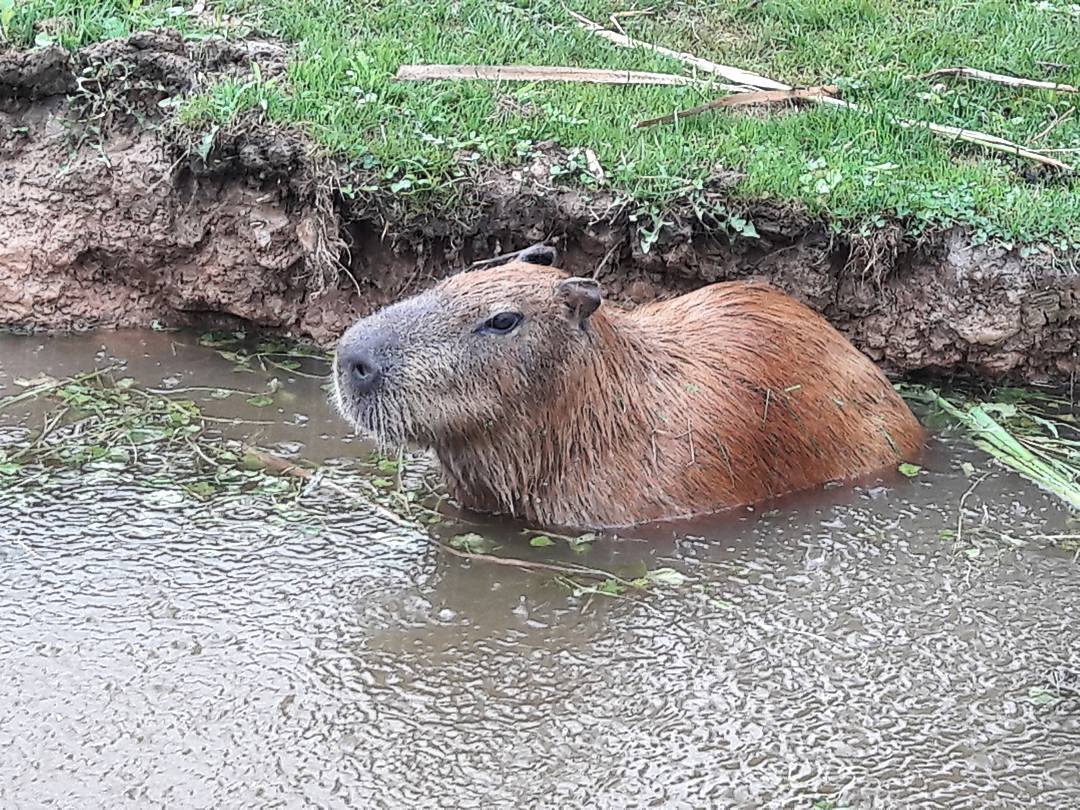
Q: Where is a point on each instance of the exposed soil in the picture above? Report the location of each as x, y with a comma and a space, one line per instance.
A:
112, 218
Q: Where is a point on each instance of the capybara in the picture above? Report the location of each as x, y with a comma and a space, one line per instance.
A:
541, 404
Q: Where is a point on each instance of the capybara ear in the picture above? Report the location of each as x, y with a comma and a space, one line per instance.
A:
582, 296
544, 255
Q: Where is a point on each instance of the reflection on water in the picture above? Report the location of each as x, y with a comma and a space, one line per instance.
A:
158, 650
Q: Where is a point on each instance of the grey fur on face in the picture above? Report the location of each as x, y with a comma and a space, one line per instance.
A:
454, 360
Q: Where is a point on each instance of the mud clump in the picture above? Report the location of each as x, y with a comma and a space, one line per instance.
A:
35, 74
113, 216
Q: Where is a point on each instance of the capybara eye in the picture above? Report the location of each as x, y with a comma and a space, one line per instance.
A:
502, 323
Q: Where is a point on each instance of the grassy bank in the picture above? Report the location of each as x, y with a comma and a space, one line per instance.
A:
859, 169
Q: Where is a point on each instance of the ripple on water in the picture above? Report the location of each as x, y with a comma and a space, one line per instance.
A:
156, 649
166, 650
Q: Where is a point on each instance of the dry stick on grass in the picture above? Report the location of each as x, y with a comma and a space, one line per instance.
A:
745, 79
645, 12
989, 142
285, 468
743, 99
538, 73
1053, 125
1000, 78
755, 82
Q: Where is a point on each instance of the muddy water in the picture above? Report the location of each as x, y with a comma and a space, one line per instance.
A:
156, 650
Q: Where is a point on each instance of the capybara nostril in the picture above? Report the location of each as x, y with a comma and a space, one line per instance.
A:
363, 370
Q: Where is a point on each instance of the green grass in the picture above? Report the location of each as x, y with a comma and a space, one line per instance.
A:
858, 169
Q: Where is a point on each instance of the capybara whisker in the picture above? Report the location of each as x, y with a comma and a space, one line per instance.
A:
541, 403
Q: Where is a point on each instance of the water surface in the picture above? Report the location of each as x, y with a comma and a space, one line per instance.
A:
161, 650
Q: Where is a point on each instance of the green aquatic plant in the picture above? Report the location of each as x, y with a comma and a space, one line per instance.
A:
1031, 432
99, 421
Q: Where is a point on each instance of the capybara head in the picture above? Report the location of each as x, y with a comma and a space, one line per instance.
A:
475, 349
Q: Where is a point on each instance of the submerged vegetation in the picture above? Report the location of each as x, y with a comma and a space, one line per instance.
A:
1032, 432
425, 141
100, 421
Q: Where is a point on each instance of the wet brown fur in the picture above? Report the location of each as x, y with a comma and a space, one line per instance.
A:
725, 396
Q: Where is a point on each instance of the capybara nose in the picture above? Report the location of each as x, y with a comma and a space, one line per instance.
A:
362, 369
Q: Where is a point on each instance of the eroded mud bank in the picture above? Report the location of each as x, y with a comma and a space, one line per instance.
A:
111, 218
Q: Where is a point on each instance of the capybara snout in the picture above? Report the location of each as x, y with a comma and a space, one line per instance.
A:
361, 358
541, 402
461, 355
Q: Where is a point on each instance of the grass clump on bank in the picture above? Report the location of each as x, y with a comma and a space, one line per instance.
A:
860, 170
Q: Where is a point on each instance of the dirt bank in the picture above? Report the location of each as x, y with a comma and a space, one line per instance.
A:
112, 218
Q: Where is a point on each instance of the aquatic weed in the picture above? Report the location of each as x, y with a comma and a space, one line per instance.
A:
1033, 432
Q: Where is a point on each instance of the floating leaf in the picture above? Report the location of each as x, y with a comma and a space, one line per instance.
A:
40, 379
972, 553
612, 587
909, 470
9, 468
251, 462
666, 576
582, 542
541, 541
1041, 696
215, 339
472, 542
260, 400
201, 489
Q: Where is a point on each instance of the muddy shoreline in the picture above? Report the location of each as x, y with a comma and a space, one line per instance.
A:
113, 215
